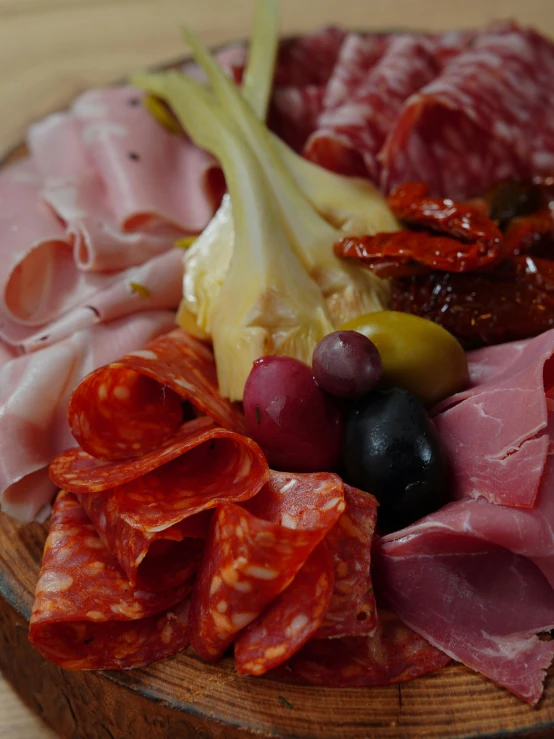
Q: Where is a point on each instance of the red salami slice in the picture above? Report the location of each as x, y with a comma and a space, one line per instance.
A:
137, 504
294, 113
132, 406
253, 555
395, 654
350, 136
308, 60
290, 620
85, 615
352, 611
484, 119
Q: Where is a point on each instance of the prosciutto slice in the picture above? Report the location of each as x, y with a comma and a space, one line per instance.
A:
34, 393
476, 578
495, 433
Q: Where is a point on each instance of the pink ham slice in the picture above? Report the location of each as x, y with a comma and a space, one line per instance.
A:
495, 433
484, 119
34, 393
350, 136
477, 581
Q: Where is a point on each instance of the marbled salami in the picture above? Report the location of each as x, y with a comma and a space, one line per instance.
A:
254, 552
151, 505
290, 620
352, 611
85, 614
350, 136
394, 654
485, 118
130, 407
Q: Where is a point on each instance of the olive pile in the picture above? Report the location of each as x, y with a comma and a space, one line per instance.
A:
361, 410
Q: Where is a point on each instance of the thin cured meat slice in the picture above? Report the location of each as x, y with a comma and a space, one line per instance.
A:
495, 433
352, 610
290, 620
137, 502
85, 616
255, 551
309, 59
34, 393
350, 137
294, 113
462, 133
394, 654
477, 580
131, 406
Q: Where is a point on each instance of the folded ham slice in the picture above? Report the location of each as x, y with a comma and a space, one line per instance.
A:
34, 393
476, 578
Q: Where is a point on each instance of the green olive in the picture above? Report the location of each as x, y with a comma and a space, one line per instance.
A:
417, 354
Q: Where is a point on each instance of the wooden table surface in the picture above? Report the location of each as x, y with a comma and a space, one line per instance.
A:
52, 49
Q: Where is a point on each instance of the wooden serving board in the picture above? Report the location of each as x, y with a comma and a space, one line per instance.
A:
184, 697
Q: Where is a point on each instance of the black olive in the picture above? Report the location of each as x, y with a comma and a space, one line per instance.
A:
391, 449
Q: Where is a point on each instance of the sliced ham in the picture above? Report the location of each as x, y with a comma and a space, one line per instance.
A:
495, 433
34, 393
484, 119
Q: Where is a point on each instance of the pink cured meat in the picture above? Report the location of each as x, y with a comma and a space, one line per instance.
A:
290, 620
135, 503
34, 393
460, 137
350, 137
131, 406
254, 552
477, 580
493, 451
85, 616
394, 654
352, 610
294, 113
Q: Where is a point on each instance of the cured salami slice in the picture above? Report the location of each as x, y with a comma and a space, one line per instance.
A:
138, 504
352, 611
294, 113
130, 407
288, 622
85, 615
463, 132
254, 552
308, 60
395, 654
351, 135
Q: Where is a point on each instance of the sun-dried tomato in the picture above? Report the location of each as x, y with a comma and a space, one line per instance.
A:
513, 301
464, 239
532, 233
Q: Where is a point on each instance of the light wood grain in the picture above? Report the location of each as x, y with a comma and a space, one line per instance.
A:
52, 49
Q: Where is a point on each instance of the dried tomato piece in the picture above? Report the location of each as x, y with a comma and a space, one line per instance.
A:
532, 233
467, 239
513, 301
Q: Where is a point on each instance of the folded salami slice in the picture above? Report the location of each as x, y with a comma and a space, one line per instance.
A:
144, 506
252, 555
290, 620
484, 119
352, 611
85, 614
395, 654
350, 136
132, 406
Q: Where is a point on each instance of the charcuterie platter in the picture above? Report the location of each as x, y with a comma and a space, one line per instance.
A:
349, 499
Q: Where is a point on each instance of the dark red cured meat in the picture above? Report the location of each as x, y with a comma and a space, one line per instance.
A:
290, 620
395, 654
294, 113
130, 407
352, 611
350, 137
85, 614
137, 502
309, 59
253, 555
484, 119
